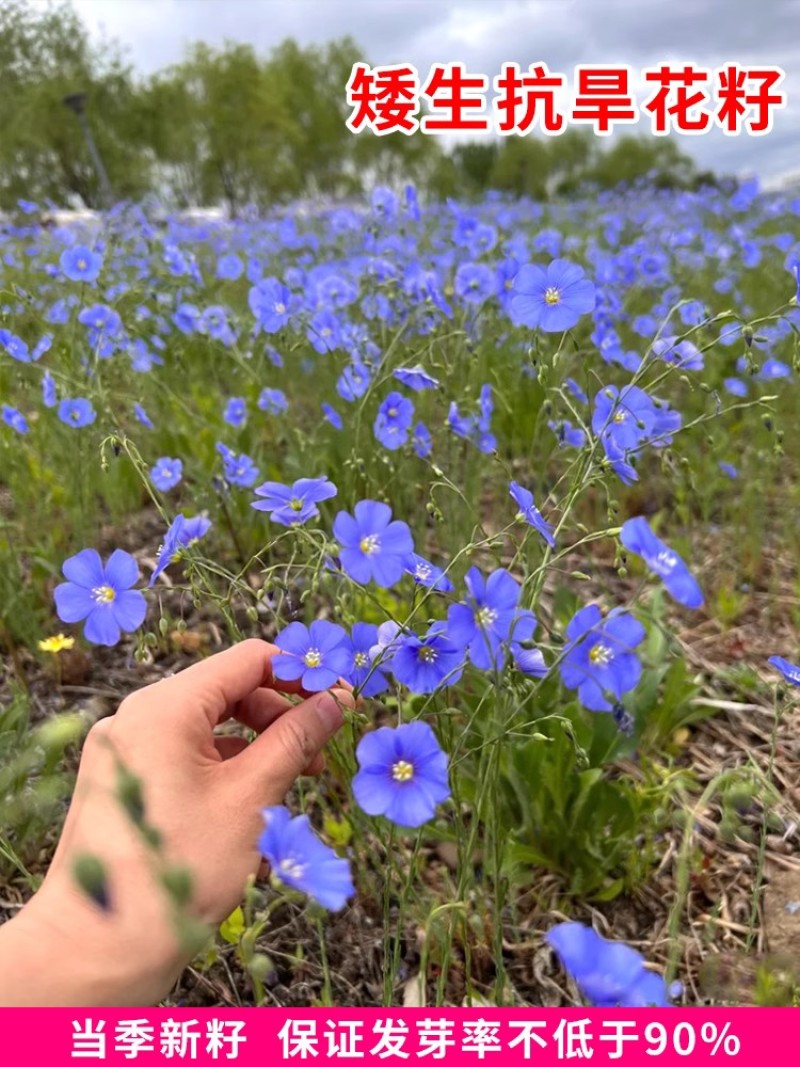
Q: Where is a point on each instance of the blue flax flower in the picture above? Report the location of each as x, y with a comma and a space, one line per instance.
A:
273, 401
49, 398
373, 547
102, 595
81, 264
293, 505
239, 469
416, 378
317, 655
235, 413
363, 672
332, 416
529, 513
428, 574
394, 421
143, 417
402, 774
599, 660
637, 536
423, 664
298, 859
353, 381
166, 473
682, 354
78, 412
790, 671
169, 549
422, 441
553, 298
14, 418
484, 623
193, 530
609, 974
15, 346
229, 267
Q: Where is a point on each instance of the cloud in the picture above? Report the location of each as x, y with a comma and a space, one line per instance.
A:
561, 33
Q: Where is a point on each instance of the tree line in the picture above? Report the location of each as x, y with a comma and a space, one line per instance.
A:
227, 125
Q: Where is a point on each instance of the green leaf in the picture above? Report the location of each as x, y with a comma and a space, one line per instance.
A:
232, 929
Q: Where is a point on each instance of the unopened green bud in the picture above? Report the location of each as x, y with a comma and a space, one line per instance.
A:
90, 874
178, 883
261, 967
129, 794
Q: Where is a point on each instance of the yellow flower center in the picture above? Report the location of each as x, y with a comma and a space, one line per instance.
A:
552, 295
361, 659
103, 594
600, 655
312, 658
296, 505
291, 867
370, 545
486, 617
402, 771
427, 654
620, 416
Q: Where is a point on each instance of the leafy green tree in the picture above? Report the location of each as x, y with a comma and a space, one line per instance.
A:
46, 55
522, 167
221, 128
629, 158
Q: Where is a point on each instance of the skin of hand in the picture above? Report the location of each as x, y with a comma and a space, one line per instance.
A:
202, 792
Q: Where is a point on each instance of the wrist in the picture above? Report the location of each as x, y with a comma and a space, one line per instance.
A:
63, 950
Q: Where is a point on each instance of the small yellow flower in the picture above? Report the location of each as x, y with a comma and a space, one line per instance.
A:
56, 644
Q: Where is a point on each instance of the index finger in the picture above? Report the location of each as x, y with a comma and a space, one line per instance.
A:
218, 683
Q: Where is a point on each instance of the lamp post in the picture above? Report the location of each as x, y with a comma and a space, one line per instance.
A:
76, 102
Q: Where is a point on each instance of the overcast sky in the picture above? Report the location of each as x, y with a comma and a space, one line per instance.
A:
485, 33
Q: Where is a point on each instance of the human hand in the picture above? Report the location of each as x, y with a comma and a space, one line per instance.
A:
202, 792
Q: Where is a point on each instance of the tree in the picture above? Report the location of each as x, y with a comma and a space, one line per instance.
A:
628, 159
522, 167
221, 128
45, 56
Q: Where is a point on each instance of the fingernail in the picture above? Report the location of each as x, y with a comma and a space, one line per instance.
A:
329, 710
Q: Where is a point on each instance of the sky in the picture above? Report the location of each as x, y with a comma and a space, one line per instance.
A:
485, 33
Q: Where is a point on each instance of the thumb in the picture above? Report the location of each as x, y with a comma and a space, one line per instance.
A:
284, 750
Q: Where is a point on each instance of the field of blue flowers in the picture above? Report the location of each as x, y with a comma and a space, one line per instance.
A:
523, 475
